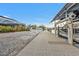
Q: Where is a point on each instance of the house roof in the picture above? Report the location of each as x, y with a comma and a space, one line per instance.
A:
67, 8
8, 21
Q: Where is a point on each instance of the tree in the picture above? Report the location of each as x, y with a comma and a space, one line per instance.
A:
43, 27
34, 26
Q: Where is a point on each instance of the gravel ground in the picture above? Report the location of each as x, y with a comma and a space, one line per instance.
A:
12, 43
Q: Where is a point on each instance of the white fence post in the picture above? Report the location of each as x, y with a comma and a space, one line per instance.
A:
70, 32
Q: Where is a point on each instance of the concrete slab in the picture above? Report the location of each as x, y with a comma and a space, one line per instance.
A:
46, 44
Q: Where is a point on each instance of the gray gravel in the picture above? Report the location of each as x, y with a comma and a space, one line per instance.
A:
12, 43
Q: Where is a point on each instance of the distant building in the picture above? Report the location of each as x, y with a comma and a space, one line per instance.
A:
8, 21
11, 25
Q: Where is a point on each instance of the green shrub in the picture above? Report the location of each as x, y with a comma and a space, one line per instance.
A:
12, 29
5, 28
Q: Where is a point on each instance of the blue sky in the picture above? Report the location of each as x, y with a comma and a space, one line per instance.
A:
31, 13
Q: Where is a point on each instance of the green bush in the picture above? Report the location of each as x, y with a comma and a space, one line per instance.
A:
5, 28
13, 29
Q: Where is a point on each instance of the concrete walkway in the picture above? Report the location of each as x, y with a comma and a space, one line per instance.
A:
46, 44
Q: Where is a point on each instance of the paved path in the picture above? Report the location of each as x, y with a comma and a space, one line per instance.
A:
46, 44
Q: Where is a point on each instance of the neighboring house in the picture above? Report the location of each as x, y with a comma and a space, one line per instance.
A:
68, 21
8, 21
70, 10
10, 25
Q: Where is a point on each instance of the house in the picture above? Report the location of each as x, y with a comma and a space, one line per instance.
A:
5, 21
67, 20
